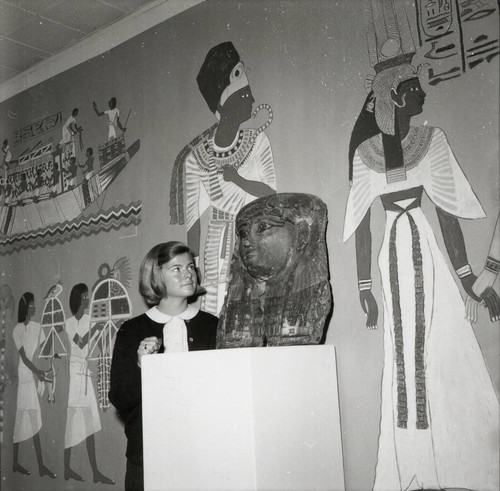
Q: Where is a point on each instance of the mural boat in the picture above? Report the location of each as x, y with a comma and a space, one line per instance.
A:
40, 191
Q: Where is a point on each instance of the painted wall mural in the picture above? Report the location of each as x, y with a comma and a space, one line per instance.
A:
53, 347
7, 306
110, 307
84, 183
40, 195
427, 439
77, 347
27, 335
483, 286
224, 169
111, 219
83, 419
456, 35
37, 128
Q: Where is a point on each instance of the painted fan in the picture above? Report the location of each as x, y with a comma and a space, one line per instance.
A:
109, 307
53, 320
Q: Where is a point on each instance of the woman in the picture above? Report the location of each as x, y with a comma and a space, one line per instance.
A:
167, 282
28, 335
82, 415
439, 415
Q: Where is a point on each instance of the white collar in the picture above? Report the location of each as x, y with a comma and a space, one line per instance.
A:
155, 315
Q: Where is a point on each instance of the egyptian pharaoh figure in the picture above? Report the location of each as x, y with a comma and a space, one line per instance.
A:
278, 291
224, 169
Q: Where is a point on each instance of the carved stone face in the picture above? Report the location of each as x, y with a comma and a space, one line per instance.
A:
266, 245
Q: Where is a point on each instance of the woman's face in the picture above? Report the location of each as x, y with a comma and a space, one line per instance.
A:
31, 310
413, 97
266, 243
179, 275
85, 300
238, 106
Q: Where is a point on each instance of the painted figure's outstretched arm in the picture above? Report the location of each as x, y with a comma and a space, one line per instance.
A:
255, 188
119, 124
364, 261
98, 113
455, 245
39, 374
82, 341
74, 128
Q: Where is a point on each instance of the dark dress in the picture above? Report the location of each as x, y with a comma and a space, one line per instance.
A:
125, 386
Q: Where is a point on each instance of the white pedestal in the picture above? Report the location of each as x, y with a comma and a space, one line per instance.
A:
242, 419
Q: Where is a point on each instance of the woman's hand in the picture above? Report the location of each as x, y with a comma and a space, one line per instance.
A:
370, 308
492, 302
468, 283
40, 374
484, 280
229, 173
148, 346
471, 309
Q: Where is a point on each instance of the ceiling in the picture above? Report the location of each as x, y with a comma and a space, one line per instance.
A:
32, 31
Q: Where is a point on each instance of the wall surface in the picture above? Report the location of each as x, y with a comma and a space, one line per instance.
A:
308, 60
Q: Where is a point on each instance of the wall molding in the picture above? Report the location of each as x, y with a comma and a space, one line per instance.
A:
96, 44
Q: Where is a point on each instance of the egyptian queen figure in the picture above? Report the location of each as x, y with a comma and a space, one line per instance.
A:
439, 414
224, 169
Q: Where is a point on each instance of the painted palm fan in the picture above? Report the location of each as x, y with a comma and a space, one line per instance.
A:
109, 308
53, 321
52, 324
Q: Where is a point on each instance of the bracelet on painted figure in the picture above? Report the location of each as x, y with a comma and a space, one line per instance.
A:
364, 285
492, 265
464, 271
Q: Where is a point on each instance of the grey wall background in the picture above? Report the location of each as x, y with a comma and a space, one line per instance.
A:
308, 60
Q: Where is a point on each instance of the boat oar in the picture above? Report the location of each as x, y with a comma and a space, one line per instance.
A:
128, 115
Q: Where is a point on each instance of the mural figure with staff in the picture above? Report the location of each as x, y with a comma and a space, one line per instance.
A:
113, 114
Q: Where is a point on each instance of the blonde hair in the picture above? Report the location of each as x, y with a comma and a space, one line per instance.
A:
151, 283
